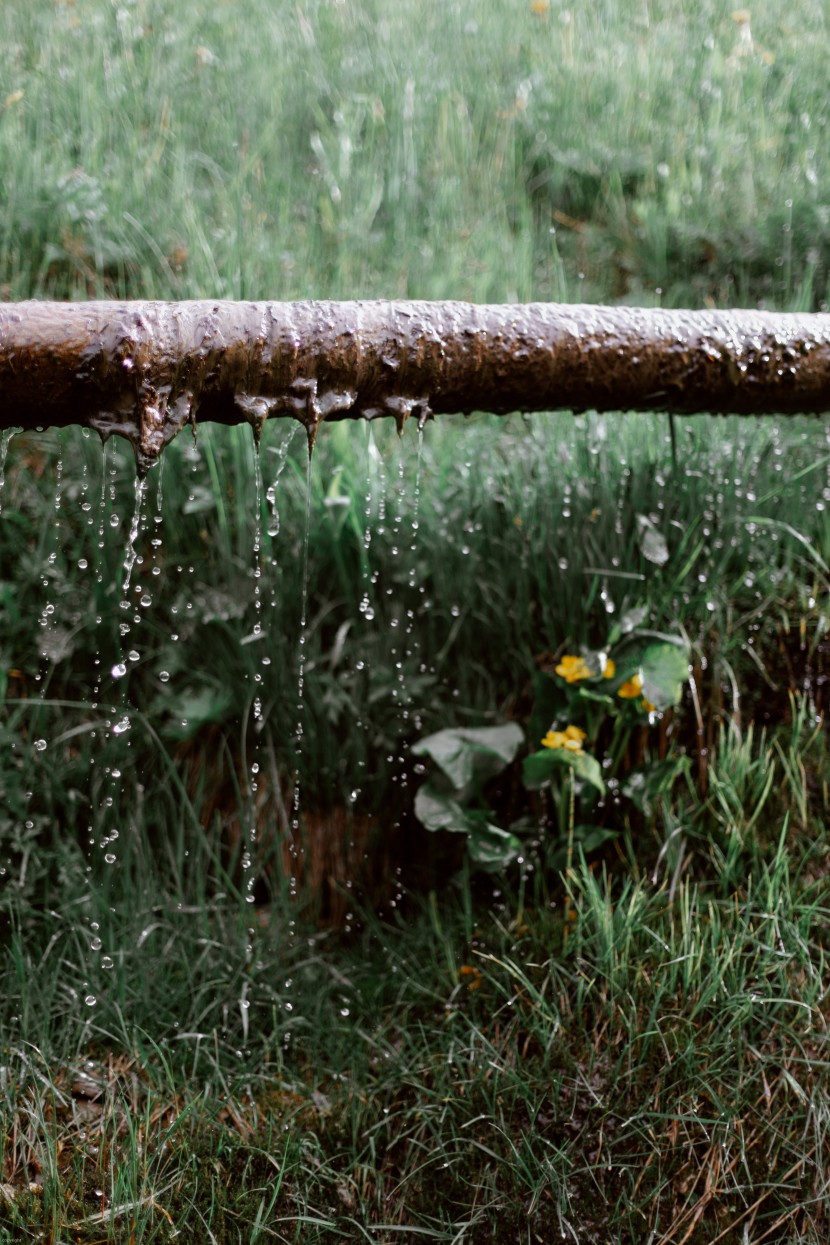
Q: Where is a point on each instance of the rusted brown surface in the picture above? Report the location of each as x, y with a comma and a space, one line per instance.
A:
145, 369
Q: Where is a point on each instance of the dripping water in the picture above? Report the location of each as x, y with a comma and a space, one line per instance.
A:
104, 832
411, 645
99, 572
281, 452
249, 846
397, 647
301, 664
131, 554
49, 621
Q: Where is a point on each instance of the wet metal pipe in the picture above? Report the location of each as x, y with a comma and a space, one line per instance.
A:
145, 369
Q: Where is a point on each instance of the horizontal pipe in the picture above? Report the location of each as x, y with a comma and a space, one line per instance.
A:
145, 369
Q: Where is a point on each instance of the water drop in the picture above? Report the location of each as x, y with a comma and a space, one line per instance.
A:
118, 670
40, 745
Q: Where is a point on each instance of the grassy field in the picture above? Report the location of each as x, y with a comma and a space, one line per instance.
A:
219, 1025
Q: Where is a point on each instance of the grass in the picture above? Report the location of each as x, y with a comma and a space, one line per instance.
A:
361, 149
383, 1045
458, 1073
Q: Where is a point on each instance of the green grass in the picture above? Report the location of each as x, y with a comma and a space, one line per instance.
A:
461, 1072
384, 1046
366, 149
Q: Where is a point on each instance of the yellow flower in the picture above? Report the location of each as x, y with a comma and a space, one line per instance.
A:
572, 669
609, 669
632, 688
571, 738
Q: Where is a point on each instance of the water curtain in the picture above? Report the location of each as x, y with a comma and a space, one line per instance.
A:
144, 370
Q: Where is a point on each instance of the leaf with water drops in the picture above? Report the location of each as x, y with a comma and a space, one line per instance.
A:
438, 810
664, 668
468, 754
492, 848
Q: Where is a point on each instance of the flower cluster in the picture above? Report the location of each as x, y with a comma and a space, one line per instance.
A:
571, 738
573, 669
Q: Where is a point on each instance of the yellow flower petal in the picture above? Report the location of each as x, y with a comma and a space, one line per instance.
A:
572, 669
609, 670
571, 738
631, 689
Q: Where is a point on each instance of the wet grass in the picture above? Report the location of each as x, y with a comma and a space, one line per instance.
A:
657, 1069
466, 1065
455, 1060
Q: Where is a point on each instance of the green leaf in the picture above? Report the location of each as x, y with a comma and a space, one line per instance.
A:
465, 755
540, 767
492, 848
438, 810
664, 668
